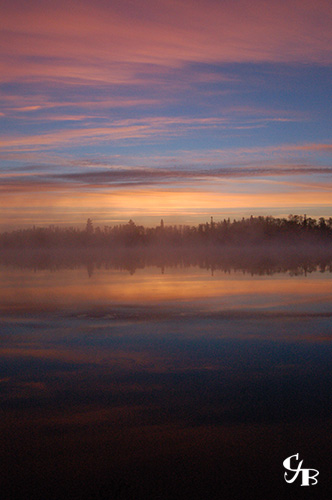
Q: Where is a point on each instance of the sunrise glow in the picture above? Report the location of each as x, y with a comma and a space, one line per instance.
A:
175, 109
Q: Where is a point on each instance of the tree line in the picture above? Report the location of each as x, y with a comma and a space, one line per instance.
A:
295, 229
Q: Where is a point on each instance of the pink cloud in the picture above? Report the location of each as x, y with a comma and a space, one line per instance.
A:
38, 106
104, 42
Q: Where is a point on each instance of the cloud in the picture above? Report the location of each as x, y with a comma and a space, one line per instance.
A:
144, 128
296, 155
16, 103
179, 168
95, 77
152, 175
31, 177
101, 41
118, 130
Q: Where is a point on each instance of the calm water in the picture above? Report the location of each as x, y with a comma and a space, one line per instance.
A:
164, 383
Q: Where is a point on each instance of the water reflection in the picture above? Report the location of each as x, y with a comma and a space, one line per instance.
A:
150, 294
163, 386
254, 260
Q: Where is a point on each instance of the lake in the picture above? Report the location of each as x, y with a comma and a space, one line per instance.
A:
164, 381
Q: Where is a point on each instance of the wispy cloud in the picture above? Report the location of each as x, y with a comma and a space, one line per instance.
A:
119, 130
101, 41
15, 104
176, 96
153, 175
34, 178
157, 127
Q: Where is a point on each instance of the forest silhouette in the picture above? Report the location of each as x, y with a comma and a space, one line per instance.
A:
257, 245
295, 230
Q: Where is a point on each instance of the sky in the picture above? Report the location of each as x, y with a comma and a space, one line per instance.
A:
173, 109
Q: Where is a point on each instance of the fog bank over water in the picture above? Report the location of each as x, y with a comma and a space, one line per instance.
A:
256, 245
294, 230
